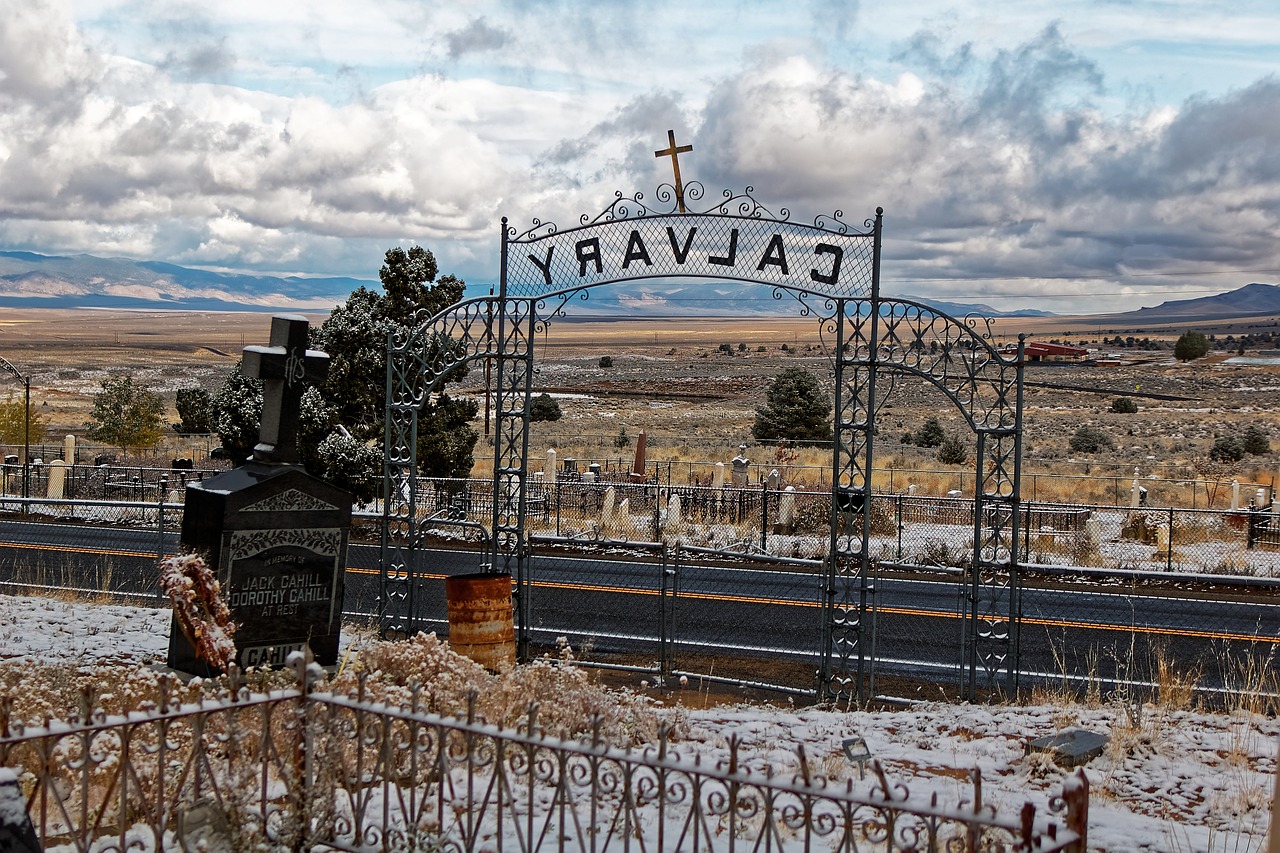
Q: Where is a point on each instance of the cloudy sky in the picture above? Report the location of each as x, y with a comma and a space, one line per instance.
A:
1085, 156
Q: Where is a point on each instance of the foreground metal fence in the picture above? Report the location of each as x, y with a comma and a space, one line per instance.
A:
295, 770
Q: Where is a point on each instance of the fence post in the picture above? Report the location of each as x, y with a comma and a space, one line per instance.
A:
764, 517
1274, 845
1075, 793
657, 514
164, 488
666, 612
897, 509
1168, 565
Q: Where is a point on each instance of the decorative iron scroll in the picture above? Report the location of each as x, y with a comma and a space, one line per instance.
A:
737, 239
300, 770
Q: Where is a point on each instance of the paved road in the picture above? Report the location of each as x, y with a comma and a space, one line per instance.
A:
617, 603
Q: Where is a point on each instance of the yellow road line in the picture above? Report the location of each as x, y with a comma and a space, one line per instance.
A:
746, 599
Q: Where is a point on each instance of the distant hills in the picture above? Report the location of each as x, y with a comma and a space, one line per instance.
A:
1249, 301
30, 280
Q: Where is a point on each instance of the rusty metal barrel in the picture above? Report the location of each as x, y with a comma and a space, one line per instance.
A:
481, 619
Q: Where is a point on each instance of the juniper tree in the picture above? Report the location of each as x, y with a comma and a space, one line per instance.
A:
796, 408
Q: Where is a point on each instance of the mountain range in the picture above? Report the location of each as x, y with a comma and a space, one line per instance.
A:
1252, 300
30, 280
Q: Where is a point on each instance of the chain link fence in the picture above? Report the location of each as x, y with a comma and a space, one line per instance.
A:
727, 584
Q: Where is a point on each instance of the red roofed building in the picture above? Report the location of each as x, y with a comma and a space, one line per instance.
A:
1039, 351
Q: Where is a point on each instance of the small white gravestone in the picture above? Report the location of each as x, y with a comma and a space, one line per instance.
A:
69, 450
57, 480
588, 477
775, 479
1235, 495
740, 468
1134, 492
911, 489
718, 482
549, 472
1162, 539
606, 510
674, 524
622, 517
787, 510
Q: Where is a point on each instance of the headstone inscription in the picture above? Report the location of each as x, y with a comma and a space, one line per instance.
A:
274, 536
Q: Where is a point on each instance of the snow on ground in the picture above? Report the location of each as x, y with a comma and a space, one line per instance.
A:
1170, 780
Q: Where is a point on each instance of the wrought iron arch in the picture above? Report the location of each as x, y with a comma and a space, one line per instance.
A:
543, 268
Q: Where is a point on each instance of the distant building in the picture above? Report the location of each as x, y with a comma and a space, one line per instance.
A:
1037, 351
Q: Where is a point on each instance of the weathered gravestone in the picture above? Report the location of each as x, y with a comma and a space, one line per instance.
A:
274, 536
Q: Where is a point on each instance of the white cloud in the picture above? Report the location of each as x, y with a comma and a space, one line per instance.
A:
307, 136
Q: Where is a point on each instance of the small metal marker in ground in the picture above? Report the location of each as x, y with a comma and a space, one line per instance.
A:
856, 750
1070, 748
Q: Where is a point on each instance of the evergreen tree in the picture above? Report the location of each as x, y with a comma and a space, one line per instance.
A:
796, 409
951, 450
1090, 439
1255, 441
237, 411
126, 415
930, 434
195, 412
1190, 346
544, 408
1228, 448
342, 421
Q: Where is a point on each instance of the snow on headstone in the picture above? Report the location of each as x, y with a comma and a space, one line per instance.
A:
16, 832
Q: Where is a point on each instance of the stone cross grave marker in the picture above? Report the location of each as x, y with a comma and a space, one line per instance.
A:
275, 537
285, 367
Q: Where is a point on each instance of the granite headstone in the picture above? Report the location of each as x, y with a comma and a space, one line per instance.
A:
275, 537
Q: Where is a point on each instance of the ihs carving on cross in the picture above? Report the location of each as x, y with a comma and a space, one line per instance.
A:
673, 151
284, 367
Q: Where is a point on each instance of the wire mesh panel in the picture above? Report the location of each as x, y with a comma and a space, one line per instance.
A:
608, 603
756, 623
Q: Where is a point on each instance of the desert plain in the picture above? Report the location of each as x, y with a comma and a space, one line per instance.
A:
673, 379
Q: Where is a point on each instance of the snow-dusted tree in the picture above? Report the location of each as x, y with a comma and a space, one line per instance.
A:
237, 411
345, 417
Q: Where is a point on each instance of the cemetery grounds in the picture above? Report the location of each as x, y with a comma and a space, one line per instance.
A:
695, 401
